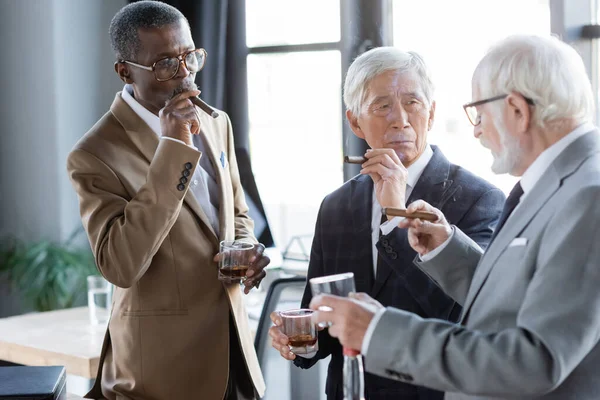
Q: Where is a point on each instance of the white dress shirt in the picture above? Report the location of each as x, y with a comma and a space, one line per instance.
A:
531, 176
415, 171
203, 182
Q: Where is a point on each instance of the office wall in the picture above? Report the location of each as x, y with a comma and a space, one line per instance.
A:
56, 80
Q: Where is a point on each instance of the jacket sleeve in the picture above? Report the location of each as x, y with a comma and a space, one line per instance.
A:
126, 232
556, 327
453, 268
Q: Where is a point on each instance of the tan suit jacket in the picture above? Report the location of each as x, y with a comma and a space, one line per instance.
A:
168, 336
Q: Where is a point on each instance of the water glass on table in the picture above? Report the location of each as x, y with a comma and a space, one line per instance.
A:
297, 325
99, 299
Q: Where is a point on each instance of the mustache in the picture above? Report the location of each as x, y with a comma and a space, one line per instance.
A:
184, 87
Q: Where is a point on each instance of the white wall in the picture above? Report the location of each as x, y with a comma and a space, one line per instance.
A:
57, 79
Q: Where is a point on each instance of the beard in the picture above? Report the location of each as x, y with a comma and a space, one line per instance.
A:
511, 152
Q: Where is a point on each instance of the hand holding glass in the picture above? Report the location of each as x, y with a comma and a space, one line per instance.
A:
339, 285
235, 259
297, 325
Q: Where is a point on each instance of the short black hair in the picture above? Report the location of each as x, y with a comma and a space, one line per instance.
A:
141, 14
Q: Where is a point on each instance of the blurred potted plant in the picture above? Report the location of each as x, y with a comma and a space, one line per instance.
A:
48, 275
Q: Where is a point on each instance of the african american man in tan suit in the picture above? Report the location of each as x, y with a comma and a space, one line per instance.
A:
158, 188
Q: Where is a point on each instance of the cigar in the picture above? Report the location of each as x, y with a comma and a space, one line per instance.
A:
355, 159
399, 212
205, 107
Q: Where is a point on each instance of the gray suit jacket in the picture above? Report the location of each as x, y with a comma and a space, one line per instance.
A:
531, 317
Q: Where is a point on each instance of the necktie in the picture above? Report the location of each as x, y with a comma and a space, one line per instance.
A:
379, 260
509, 206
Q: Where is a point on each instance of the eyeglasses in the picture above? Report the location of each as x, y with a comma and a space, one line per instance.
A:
473, 114
166, 68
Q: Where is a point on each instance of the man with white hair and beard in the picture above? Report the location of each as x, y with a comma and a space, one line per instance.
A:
158, 188
530, 324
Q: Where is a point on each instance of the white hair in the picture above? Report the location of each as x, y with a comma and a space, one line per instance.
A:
377, 61
541, 68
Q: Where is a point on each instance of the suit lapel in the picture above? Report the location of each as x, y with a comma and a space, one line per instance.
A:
566, 163
436, 189
361, 208
147, 142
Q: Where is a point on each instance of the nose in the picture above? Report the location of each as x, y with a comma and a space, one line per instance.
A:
182, 72
399, 116
477, 131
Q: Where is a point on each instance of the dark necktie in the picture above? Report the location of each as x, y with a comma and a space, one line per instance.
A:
509, 206
379, 260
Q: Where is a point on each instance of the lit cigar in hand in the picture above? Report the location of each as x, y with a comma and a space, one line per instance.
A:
399, 212
204, 107
355, 159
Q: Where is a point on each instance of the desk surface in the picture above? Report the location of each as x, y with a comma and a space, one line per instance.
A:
63, 337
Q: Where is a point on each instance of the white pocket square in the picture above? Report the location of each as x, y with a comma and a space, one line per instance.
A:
520, 241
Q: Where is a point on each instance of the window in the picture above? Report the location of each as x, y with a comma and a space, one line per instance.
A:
452, 36
294, 101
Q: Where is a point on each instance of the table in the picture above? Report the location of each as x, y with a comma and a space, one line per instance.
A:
63, 337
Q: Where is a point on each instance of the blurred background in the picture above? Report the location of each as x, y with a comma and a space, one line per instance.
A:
276, 66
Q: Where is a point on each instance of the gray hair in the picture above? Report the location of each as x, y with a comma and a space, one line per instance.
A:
377, 61
542, 68
141, 14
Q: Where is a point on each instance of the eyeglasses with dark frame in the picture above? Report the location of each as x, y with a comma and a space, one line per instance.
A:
168, 67
471, 108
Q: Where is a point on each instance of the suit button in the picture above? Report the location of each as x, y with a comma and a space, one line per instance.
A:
188, 165
385, 242
181, 187
388, 249
185, 172
393, 255
183, 179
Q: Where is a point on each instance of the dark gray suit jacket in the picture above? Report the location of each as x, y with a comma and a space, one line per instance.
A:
342, 243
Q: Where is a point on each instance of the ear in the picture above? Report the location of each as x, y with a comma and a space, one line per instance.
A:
123, 71
518, 112
431, 116
353, 122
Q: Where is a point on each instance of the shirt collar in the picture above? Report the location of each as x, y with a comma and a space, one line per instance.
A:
149, 118
543, 161
415, 170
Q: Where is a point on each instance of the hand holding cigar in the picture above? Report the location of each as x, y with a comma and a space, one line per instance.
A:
399, 212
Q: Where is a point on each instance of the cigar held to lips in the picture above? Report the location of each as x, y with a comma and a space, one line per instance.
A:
204, 107
355, 159
399, 212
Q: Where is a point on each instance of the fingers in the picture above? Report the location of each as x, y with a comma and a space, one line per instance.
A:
421, 205
364, 298
258, 261
254, 281
279, 341
373, 154
259, 249
276, 318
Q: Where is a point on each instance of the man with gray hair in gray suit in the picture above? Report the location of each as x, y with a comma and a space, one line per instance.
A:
530, 324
